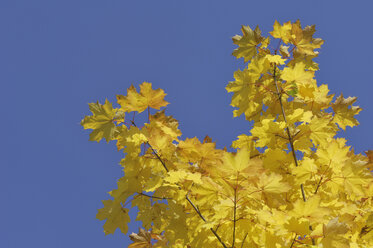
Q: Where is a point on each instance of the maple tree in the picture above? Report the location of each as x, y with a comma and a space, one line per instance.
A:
289, 183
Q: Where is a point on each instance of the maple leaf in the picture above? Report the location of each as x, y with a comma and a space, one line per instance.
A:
130, 140
259, 66
167, 124
310, 210
140, 101
174, 177
205, 155
303, 40
245, 91
269, 133
161, 131
237, 162
282, 31
143, 239
298, 226
116, 217
305, 171
272, 184
367, 231
297, 74
247, 44
345, 112
102, 121
321, 130
333, 235
277, 59
369, 164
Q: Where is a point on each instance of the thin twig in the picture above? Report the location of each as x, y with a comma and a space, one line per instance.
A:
155, 197
290, 138
292, 243
318, 185
154, 151
243, 241
234, 214
203, 218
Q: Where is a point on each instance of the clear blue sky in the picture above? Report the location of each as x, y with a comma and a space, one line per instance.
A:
57, 56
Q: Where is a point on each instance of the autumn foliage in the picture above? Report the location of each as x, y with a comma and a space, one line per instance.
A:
289, 182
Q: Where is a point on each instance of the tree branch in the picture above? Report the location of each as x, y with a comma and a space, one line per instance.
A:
292, 243
234, 216
203, 218
290, 137
155, 197
243, 241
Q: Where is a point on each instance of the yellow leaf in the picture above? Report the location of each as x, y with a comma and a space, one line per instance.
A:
355, 180
299, 226
245, 91
259, 66
143, 239
247, 44
345, 112
297, 74
269, 133
303, 40
180, 176
130, 140
334, 154
139, 102
102, 121
333, 232
310, 209
321, 130
272, 184
367, 230
205, 155
283, 32
237, 162
277, 59
304, 171
167, 124
116, 217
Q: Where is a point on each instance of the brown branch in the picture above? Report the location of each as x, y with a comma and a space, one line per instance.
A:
203, 218
155, 197
154, 151
234, 212
318, 185
292, 243
243, 241
290, 138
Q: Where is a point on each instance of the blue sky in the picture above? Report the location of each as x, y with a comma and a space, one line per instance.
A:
57, 56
